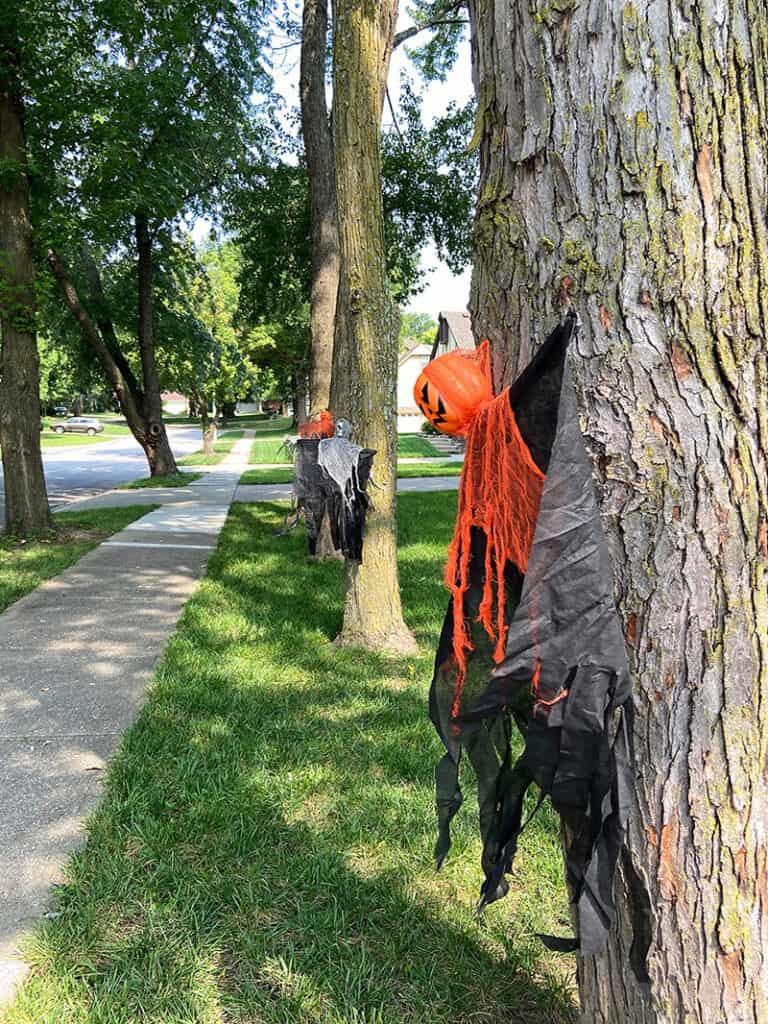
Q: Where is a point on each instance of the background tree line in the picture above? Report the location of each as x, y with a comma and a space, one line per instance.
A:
131, 126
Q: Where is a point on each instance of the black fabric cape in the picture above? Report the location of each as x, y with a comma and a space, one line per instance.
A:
561, 615
315, 492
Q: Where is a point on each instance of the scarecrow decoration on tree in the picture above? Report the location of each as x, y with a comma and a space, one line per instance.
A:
531, 634
330, 477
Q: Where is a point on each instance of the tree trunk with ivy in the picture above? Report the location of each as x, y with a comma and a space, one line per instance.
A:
26, 499
364, 391
623, 171
318, 148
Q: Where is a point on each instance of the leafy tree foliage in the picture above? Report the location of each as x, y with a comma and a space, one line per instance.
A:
429, 179
270, 219
417, 326
437, 54
160, 106
156, 114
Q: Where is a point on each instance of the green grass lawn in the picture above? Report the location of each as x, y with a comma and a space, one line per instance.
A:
271, 450
222, 448
50, 440
253, 420
442, 468
414, 446
278, 475
23, 566
171, 480
263, 854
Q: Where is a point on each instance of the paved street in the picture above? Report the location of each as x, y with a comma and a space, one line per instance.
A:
90, 468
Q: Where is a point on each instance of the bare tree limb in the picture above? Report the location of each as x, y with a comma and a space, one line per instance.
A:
394, 117
450, 9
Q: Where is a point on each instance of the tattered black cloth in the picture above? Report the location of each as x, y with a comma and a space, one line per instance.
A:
331, 475
564, 679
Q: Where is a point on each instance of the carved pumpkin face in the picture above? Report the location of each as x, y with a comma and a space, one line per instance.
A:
450, 390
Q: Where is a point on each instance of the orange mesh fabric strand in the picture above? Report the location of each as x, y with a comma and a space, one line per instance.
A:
500, 493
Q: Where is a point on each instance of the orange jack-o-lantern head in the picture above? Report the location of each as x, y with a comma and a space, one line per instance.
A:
451, 389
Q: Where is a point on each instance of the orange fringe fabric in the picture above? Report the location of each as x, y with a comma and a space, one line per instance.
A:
500, 493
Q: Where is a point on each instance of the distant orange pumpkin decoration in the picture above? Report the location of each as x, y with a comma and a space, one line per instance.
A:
451, 389
323, 426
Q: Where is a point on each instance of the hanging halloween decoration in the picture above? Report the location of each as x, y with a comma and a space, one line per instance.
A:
532, 636
323, 426
330, 477
451, 389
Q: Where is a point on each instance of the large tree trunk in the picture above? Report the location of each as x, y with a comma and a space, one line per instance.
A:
26, 499
366, 334
624, 170
159, 452
318, 147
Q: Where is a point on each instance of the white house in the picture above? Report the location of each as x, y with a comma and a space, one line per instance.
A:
412, 361
174, 403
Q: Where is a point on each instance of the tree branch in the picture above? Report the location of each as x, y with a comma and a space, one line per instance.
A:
394, 117
94, 339
409, 33
98, 302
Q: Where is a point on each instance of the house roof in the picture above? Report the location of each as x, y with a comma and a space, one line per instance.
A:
458, 324
413, 347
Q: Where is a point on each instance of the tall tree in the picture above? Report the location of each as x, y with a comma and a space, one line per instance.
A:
26, 500
365, 349
443, 18
155, 121
636, 193
318, 149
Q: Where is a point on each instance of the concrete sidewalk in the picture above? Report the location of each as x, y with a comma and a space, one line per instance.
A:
282, 492
77, 655
180, 496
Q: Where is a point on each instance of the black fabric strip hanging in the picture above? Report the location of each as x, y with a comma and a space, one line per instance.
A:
564, 679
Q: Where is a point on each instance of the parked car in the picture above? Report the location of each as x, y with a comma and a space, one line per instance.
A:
79, 425
60, 410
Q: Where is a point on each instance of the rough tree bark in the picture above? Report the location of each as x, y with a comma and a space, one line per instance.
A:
624, 170
366, 320
158, 449
318, 148
26, 499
